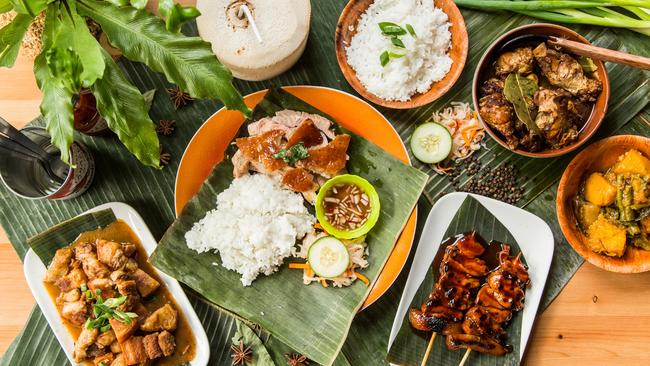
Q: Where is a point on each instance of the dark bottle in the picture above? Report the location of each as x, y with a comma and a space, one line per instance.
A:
86, 117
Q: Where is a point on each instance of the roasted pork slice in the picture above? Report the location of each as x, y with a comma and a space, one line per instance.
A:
165, 318
119, 361
115, 347
104, 359
459, 279
477, 343
456, 297
110, 253
151, 346
287, 121
133, 350
508, 290
328, 160
146, 284
74, 279
60, 265
497, 112
564, 71
469, 246
93, 268
70, 296
518, 61
486, 296
513, 265
86, 338
241, 165
105, 339
167, 343
122, 330
75, 312
117, 275
129, 289
105, 285
437, 307
261, 150
454, 261
299, 180
308, 134
131, 265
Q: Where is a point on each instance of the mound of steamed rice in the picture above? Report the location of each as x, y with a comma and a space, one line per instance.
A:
254, 227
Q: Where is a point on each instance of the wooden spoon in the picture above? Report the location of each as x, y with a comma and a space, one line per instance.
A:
600, 53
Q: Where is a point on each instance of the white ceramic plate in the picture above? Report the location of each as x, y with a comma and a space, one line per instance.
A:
533, 235
35, 271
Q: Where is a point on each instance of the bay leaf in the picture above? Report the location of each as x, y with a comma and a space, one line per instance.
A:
519, 91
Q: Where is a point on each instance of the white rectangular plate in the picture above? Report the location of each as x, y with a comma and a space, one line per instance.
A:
35, 271
533, 235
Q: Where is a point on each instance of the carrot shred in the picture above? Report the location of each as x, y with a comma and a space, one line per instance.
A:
299, 265
324, 283
363, 278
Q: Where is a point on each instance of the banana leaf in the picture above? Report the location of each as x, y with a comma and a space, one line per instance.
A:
313, 320
410, 345
120, 178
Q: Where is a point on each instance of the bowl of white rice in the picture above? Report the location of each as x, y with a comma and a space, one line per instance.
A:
401, 53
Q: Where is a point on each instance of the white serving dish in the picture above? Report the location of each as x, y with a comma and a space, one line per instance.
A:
533, 235
35, 271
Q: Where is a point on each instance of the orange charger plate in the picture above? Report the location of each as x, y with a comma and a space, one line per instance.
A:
206, 149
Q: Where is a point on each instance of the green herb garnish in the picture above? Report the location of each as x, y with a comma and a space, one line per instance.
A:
292, 155
397, 42
83, 287
396, 55
384, 58
105, 310
391, 29
411, 30
587, 64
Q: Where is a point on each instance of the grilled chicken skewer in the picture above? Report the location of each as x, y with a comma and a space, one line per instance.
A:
500, 296
459, 276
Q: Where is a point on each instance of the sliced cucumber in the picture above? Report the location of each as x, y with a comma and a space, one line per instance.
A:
328, 257
431, 143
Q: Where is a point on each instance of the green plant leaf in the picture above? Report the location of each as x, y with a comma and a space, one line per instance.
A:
519, 91
29, 7
391, 29
126, 112
139, 4
119, 2
186, 61
11, 37
175, 14
5, 6
73, 34
261, 356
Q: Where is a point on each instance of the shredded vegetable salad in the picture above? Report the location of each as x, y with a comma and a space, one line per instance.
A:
357, 250
465, 129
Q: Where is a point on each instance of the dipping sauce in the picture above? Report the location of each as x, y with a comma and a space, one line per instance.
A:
347, 206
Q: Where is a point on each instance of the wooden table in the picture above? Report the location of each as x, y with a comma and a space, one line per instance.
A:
601, 318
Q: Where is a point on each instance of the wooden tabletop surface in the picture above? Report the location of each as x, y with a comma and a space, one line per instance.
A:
600, 318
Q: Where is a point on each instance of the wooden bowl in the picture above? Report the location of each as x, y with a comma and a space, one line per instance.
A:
598, 157
346, 29
542, 29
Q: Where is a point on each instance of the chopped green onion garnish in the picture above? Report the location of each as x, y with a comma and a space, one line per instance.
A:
391, 29
384, 58
411, 30
83, 287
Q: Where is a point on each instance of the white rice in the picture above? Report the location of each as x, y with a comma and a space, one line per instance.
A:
254, 227
426, 61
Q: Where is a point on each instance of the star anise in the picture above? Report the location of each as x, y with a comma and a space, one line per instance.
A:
165, 127
297, 360
165, 157
241, 354
179, 97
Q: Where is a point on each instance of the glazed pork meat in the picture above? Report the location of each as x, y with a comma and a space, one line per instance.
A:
519, 61
459, 273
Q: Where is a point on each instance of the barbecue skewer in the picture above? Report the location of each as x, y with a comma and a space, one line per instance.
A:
429, 347
465, 357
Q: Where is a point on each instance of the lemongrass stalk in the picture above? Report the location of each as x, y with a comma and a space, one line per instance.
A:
642, 13
576, 16
534, 5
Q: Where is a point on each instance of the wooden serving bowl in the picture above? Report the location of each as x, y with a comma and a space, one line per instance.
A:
598, 157
346, 29
542, 29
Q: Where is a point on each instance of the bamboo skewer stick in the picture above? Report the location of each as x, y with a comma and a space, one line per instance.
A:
465, 357
428, 351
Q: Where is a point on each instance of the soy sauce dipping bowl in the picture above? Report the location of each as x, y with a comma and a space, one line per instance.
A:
540, 32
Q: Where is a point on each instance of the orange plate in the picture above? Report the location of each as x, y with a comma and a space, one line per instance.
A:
207, 147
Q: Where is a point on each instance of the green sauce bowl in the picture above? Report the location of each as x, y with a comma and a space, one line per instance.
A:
373, 198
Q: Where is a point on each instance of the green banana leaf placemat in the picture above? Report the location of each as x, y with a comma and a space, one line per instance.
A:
119, 177
312, 319
410, 345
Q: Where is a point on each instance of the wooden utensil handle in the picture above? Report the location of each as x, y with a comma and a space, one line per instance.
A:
600, 53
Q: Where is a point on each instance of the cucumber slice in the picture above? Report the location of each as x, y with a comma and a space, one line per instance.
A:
431, 143
328, 257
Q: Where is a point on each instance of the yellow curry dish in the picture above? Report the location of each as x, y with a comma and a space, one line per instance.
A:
613, 206
114, 304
